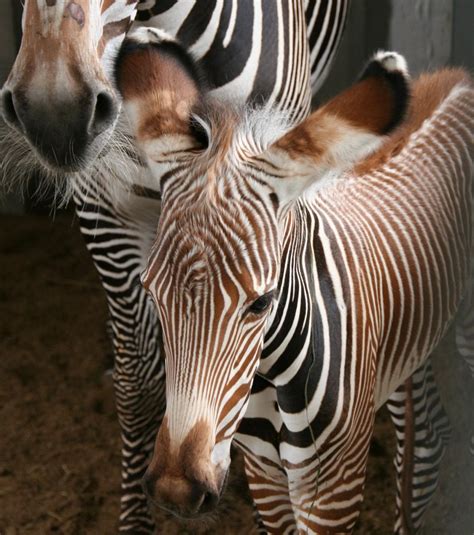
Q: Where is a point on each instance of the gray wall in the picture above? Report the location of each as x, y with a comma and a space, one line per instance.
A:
462, 52
429, 33
7, 39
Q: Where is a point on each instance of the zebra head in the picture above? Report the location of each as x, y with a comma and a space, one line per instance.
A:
228, 179
59, 97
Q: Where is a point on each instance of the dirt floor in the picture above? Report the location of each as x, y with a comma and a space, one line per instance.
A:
59, 439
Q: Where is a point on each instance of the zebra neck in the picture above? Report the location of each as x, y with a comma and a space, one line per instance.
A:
307, 319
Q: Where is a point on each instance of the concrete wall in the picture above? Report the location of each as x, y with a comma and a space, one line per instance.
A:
421, 30
7, 38
430, 33
462, 51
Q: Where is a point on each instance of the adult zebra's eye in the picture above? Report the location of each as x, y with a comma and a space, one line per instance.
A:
262, 303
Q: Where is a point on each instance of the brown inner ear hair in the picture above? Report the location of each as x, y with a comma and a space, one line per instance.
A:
168, 84
377, 102
135, 52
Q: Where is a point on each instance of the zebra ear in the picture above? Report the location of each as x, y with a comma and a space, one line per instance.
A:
344, 131
160, 84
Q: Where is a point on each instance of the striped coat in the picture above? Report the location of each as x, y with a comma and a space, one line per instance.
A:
386, 269
370, 265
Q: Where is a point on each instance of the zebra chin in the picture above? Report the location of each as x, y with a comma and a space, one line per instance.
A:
75, 162
182, 478
48, 156
113, 158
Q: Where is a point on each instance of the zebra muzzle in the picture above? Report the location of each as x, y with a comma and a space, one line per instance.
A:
181, 478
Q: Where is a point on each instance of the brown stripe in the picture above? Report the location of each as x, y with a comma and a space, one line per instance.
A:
106, 4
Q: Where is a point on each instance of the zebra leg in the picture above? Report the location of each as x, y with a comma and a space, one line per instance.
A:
423, 432
140, 409
117, 250
465, 338
269, 488
139, 382
258, 438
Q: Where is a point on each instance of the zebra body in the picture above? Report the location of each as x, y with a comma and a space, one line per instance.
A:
368, 233
371, 268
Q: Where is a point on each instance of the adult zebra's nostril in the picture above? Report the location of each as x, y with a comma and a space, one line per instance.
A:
8, 108
105, 112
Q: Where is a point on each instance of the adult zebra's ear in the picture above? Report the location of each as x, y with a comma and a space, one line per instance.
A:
344, 131
160, 84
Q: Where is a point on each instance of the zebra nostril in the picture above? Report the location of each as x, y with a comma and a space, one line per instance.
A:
148, 485
8, 107
105, 112
209, 502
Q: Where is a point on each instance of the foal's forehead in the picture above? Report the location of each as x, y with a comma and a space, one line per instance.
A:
210, 226
216, 236
216, 215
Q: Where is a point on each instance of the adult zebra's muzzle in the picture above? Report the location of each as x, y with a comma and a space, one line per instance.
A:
65, 132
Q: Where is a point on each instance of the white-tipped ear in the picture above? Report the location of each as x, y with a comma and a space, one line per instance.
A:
344, 131
160, 84
391, 62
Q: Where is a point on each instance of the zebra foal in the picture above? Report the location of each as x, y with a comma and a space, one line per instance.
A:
345, 242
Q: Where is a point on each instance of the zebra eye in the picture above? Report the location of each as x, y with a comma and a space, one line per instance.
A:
262, 303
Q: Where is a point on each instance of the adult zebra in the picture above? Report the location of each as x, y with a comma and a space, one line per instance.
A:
365, 270
64, 110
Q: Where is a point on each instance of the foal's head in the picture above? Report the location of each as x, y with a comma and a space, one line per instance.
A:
228, 179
